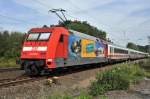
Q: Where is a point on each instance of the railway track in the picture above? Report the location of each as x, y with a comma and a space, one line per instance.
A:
25, 79
17, 81
60, 73
8, 69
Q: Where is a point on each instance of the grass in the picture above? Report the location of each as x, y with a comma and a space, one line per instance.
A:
60, 97
145, 64
118, 78
83, 95
6, 63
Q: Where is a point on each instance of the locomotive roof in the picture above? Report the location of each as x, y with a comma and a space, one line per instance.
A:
82, 35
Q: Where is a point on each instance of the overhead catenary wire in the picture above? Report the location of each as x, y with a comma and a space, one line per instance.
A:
50, 7
43, 4
92, 17
68, 14
85, 12
20, 20
77, 7
53, 10
15, 19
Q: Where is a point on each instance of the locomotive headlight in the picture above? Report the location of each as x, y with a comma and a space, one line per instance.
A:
49, 60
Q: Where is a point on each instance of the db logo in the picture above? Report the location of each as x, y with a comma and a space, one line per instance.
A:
34, 48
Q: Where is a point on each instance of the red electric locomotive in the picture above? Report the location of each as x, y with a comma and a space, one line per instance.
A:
47, 48
54, 47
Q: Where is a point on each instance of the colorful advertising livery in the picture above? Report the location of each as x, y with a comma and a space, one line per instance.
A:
85, 48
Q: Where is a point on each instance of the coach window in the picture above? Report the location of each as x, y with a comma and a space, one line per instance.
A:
61, 38
111, 49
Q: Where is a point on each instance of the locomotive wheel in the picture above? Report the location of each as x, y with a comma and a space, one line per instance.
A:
32, 70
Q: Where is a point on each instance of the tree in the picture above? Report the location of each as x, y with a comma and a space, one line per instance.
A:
138, 47
10, 44
84, 27
132, 46
148, 47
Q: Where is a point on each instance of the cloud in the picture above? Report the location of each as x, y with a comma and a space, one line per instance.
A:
112, 16
141, 13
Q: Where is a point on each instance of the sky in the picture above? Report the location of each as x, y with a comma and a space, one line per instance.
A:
123, 20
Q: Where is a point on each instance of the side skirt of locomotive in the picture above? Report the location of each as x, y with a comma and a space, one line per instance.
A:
60, 62
38, 67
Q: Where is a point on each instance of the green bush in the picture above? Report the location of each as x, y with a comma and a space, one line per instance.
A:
64, 96
83, 95
145, 64
60, 97
5, 63
118, 78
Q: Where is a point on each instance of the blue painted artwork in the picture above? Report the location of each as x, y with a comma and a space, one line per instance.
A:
89, 48
74, 46
99, 49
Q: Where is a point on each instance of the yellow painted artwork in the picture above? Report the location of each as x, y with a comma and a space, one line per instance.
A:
87, 48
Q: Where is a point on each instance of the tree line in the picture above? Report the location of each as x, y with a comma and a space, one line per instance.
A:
10, 44
145, 48
84, 27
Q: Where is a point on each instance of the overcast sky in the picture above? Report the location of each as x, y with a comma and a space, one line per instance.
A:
123, 20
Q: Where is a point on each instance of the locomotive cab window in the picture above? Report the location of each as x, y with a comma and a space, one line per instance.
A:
44, 36
61, 39
38, 36
33, 36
